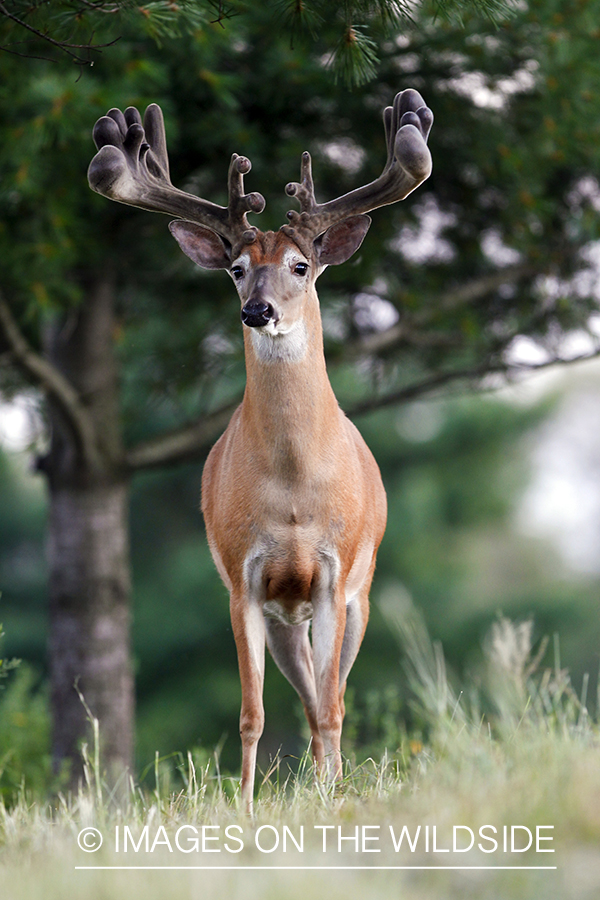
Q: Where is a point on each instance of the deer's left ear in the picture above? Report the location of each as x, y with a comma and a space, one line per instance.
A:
340, 241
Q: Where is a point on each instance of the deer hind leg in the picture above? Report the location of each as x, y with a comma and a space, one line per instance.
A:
249, 632
290, 648
328, 625
357, 616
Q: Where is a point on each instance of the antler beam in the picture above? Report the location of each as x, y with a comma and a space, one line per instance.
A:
132, 167
407, 125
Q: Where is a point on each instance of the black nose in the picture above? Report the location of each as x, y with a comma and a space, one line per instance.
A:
256, 313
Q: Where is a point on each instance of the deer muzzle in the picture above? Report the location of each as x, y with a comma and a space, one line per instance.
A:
256, 313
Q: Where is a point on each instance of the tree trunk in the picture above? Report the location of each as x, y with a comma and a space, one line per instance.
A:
88, 548
89, 623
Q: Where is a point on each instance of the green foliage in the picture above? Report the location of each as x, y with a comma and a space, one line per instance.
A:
80, 30
375, 722
355, 57
454, 11
514, 693
25, 758
6, 665
22, 563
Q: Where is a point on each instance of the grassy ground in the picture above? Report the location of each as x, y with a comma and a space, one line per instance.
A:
519, 751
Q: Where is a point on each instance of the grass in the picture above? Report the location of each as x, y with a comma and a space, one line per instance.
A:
518, 749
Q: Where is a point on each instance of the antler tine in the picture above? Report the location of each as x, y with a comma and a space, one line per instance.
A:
239, 203
132, 167
304, 191
154, 126
407, 125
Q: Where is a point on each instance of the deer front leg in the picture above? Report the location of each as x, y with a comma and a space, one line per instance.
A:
249, 632
328, 624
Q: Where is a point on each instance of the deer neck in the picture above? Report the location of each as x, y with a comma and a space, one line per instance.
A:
289, 403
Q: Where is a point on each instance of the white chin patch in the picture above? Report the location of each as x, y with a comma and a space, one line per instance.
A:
272, 343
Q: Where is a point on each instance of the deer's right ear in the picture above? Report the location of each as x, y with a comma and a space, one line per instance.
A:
203, 246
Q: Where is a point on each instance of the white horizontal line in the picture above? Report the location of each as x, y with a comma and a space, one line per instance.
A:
314, 868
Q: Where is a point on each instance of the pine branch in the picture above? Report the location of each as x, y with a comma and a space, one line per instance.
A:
182, 444
354, 27
472, 373
414, 332
194, 441
44, 374
477, 288
64, 46
418, 389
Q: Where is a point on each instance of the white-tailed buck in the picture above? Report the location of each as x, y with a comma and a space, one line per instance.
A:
293, 500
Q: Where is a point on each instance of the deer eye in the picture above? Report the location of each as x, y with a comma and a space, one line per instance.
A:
300, 269
237, 272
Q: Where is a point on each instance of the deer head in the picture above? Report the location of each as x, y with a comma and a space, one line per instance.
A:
274, 272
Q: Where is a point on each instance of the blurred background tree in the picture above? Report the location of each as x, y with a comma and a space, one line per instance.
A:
140, 354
